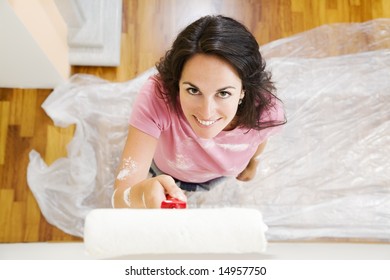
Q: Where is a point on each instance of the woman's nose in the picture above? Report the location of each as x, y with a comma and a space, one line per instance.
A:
207, 108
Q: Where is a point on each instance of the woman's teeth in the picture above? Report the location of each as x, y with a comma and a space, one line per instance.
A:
206, 123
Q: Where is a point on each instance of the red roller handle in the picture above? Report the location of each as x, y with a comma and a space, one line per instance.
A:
173, 203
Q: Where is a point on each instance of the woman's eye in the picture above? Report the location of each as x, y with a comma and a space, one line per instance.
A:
193, 91
224, 94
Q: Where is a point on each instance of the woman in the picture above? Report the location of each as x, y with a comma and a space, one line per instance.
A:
206, 115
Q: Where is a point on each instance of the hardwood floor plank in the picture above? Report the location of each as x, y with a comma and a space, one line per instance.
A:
57, 140
15, 225
15, 117
28, 113
4, 113
6, 201
32, 219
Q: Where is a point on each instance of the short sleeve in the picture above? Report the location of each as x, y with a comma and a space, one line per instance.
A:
150, 113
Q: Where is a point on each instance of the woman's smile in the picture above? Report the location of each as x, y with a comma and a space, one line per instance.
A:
205, 123
210, 90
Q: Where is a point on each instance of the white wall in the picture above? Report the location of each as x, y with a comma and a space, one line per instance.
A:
33, 45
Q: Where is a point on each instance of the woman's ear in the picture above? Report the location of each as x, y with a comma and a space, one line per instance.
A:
242, 95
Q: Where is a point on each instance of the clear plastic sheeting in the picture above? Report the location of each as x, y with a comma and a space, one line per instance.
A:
70, 187
326, 175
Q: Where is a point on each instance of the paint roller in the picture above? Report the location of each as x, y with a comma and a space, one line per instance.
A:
110, 233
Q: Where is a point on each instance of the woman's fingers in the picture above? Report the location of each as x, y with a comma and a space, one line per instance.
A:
154, 191
171, 188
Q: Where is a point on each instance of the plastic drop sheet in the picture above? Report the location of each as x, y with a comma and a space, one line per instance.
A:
326, 175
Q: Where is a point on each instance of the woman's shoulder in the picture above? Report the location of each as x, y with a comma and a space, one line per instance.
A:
150, 111
154, 91
152, 85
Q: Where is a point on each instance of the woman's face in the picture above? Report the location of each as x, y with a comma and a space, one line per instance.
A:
210, 89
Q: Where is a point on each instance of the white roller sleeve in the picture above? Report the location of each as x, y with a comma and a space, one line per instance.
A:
120, 232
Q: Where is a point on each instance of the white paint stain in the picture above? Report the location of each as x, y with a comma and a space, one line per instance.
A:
207, 143
129, 166
181, 162
234, 147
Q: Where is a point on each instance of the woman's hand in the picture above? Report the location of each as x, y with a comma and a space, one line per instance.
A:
151, 192
249, 172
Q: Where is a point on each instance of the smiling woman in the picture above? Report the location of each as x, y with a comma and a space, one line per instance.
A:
211, 92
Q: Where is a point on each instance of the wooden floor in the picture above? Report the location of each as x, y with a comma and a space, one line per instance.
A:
148, 28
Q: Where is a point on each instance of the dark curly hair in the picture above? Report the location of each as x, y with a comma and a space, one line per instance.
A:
226, 38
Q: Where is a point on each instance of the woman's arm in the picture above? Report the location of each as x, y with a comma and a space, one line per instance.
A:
250, 171
132, 187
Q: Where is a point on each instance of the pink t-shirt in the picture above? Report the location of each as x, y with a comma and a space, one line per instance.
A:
181, 153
